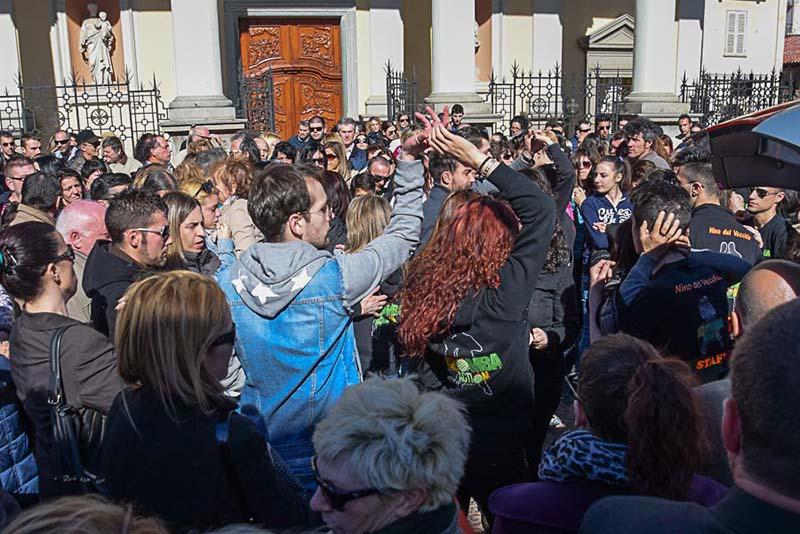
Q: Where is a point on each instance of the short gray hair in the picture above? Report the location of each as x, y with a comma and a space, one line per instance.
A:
79, 216
396, 438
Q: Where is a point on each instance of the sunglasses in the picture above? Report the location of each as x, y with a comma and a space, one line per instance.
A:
338, 499
61, 141
761, 192
331, 157
402, 120
586, 165
603, 128
228, 338
68, 255
164, 232
12, 144
319, 161
362, 140
206, 187
315, 128
391, 132
587, 130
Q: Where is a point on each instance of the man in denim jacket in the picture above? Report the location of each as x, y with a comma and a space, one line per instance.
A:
292, 301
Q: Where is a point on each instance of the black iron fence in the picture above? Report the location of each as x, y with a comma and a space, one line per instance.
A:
555, 95
118, 108
256, 102
401, 92
719, 97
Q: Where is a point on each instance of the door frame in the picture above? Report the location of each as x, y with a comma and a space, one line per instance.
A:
345, 10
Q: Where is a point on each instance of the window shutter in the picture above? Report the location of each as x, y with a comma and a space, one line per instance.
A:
730, 34
741, 30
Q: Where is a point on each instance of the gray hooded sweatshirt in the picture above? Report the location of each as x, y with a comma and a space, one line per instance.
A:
268, 276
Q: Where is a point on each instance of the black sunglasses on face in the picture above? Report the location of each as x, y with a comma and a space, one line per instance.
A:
362, 140
228, 338
68, 255
61, 141
315, 128
761, 192
337, 498
12, 144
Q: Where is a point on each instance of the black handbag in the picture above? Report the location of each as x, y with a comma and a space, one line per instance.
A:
77, 433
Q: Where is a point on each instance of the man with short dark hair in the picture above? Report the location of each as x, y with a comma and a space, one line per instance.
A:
61, 145
448, 175
602, 126
88, 144
40, 199
108, 186
456, 117
761, 435
382, 172
582, 129
81, 224
31, 145
137, 224
153, 149
762, 204
357, 157
116, 158
293, 302
671, 298
642, 134
713, 227
17, 169
685, 124
8, 146
316, 128
300, 140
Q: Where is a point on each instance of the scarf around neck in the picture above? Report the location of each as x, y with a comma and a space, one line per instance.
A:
580, 455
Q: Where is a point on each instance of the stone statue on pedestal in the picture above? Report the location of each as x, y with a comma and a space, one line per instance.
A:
96, 42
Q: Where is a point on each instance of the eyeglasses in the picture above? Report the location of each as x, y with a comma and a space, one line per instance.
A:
164, 232
319, 161
587, 130
206, 187
391, 131
326, 211
11, 144
331, 157
603, 128
402, 120
228, 338
315, 128
338, 499
761, 192
69, 255
507, 155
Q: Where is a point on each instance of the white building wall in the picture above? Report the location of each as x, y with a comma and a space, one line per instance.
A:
766, 24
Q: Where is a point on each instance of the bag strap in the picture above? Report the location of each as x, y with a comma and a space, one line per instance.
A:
222, 430
56, 395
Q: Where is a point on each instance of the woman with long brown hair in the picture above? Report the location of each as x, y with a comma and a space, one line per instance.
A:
641, 431
464, 311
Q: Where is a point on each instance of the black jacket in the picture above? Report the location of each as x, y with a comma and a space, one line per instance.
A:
483, 359
105, 279
88, 370
737, 513
554, 309
176, 469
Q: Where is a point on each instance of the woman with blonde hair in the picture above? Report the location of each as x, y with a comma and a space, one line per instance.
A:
86, 514
336, 154
174, 443
266, 143
188, 248
207, 195
232, 179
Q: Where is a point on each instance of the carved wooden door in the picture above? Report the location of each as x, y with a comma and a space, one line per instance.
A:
306, 61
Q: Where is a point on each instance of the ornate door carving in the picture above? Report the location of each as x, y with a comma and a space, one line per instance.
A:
306, 61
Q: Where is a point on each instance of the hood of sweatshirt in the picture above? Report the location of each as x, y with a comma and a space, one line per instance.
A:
268, 276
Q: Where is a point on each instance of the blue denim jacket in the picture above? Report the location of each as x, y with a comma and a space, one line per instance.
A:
305, 358
18, 470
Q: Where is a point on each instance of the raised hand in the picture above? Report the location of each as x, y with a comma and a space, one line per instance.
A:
414, 145
445, 142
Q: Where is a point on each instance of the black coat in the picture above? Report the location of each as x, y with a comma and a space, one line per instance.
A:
88, 371
176, 469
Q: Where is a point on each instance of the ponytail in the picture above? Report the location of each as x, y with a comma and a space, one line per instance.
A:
666, 428
621, 166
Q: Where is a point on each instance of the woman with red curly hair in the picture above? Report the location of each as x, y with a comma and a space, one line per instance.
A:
464, 312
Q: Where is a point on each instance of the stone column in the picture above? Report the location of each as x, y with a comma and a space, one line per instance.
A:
9, 67
198, 69
385, 44
655, 59
453, 59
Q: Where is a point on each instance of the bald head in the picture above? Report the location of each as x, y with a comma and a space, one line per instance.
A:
768, 285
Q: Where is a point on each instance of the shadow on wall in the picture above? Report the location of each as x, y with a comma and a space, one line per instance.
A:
417, 43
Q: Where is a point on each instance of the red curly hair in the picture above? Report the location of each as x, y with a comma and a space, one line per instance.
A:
463, 256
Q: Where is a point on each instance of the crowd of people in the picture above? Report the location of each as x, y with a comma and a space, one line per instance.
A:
369, 328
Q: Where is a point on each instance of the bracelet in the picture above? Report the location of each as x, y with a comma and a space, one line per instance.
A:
490, 168
484, 162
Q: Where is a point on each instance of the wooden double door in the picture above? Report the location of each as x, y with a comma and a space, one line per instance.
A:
306, 60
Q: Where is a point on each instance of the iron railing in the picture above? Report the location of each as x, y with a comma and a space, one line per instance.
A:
401, 92
716, 97
118, 108
555, 95
256, 103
